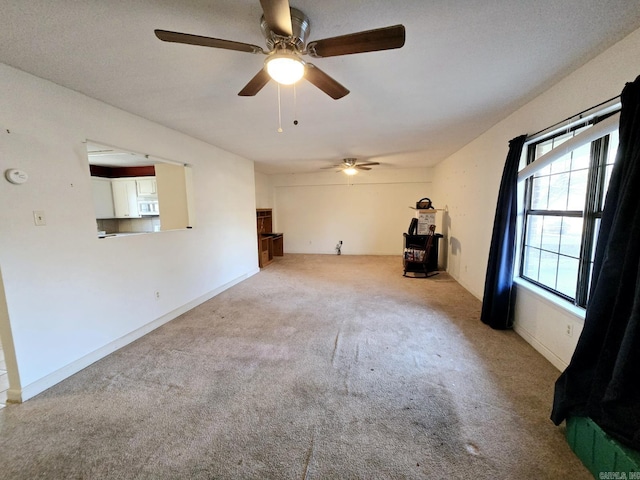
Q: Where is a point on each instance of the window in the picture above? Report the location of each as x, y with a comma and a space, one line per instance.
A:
563, 205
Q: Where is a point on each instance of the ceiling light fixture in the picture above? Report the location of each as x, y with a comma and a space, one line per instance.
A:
285, 68
350, 171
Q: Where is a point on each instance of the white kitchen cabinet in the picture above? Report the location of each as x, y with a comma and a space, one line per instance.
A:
102, 197
125, 198
146, 186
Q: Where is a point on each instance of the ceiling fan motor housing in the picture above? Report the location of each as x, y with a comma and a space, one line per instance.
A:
349, 162
300, 26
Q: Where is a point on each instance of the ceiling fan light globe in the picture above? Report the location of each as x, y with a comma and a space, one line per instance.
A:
285, 68
350, 171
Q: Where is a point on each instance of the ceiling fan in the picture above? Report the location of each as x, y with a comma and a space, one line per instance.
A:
350, 166
285, 30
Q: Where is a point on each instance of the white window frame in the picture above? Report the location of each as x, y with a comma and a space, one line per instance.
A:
591, 135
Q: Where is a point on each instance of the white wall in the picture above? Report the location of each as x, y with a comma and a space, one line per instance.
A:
72, 298
468, 183
368, 212
264, 192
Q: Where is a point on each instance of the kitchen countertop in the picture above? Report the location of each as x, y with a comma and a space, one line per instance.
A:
122, 234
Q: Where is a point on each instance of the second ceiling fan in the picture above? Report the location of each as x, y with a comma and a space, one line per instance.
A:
285, 30
350, 166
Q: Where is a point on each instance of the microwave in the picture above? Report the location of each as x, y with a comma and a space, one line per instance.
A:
148, 207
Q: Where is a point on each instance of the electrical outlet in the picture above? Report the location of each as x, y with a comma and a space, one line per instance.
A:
569, 330
157, 295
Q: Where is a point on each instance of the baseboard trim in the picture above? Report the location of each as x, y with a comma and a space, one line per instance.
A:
540, 348
39, 386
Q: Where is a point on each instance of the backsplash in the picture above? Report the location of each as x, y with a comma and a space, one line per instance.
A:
129, 225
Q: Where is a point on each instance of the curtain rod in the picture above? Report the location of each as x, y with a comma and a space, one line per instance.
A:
579, 115
598, 130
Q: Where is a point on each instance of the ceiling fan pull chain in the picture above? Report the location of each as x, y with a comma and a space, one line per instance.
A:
295, 105
279, 112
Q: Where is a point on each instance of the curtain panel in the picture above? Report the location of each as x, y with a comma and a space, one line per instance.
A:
602, 380
498, 285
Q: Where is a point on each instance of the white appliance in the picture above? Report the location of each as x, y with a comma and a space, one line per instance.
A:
148, 206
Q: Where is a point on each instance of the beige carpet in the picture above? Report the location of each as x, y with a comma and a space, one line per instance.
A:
318, 367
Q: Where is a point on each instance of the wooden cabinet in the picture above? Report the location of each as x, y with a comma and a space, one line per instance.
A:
265, 252
264, 220
270, 244
125, 198
102, 197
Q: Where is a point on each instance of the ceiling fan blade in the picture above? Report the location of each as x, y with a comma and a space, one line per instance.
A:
385, 38
255, 84
278, 16
177, 37
360, 167
367, 164
324, 82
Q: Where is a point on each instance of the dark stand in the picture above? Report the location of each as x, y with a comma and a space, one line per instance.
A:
421, 255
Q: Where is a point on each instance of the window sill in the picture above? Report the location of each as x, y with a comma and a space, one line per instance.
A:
550, 298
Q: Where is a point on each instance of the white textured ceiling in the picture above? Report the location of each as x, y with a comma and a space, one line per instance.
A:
465, 65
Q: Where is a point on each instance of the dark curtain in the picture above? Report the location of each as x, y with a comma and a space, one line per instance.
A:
602, 380
496, 303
